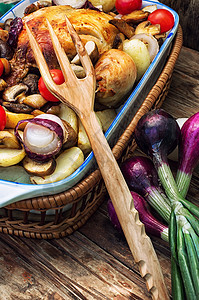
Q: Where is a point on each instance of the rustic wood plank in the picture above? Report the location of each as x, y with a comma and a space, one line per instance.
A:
188, 14
183, 97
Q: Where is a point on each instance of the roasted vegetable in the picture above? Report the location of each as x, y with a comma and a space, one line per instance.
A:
115, 74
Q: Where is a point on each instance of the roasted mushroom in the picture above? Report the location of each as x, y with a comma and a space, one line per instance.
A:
118, 42
149, 8
123, 27
39, 168
18, 107
71, 139
3, 85
12, 92
7, 24
4, 35
5, 50
8, 140
136, 17
35, 101
92, 51
31, 80
147, 27
79, 71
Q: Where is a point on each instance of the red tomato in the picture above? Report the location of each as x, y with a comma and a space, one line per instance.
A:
162, 17
58, 78
1, 67
2, 118
125, 7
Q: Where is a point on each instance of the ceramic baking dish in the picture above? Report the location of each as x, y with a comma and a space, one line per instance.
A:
19, 191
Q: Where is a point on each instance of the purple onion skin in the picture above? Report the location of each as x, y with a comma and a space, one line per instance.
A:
152, 225
189, 145
50, 125
89, 5
113, 216
157, 134
140, 174
86, 5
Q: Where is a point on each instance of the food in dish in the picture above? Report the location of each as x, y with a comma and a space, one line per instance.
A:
116, 75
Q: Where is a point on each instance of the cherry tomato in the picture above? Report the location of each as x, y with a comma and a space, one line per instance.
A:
2, 118
125, 7
1, 67
58, 78
162, 17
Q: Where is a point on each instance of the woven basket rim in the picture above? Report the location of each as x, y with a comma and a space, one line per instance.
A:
72, 195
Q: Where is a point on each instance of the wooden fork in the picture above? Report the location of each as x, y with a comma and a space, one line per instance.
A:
79, 94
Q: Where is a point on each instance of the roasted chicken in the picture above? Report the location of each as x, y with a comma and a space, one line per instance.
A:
89, 24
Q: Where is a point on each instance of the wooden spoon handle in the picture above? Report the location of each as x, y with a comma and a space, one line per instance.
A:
139, 243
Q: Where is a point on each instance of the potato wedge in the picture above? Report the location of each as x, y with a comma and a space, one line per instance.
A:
68, 115
106, 117
13, 118
10, 157
66, 163
83, 141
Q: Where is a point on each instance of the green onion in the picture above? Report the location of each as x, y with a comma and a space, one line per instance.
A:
157, 134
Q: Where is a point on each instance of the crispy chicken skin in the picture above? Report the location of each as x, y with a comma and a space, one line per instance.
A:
89, 24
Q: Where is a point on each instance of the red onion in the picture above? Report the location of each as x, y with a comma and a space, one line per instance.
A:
42, 138
152, 225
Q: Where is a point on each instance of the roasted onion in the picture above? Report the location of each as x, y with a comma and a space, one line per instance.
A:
150, 41
43, 136
73, 3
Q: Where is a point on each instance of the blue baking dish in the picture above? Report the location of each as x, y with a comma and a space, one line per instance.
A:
12, 191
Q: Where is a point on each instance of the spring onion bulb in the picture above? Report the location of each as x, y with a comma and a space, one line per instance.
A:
152, 225
141, 177
43, 136
157, 134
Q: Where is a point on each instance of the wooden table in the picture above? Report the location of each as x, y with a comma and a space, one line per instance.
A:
95, 261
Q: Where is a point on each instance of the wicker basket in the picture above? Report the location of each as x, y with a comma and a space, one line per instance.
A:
84, 198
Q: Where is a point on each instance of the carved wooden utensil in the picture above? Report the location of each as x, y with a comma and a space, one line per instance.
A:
79, 94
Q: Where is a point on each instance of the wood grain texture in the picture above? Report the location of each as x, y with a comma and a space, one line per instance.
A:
95, 262
188, 11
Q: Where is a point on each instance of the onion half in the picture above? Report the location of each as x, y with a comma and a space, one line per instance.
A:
152, 43
42, 139
73, 3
